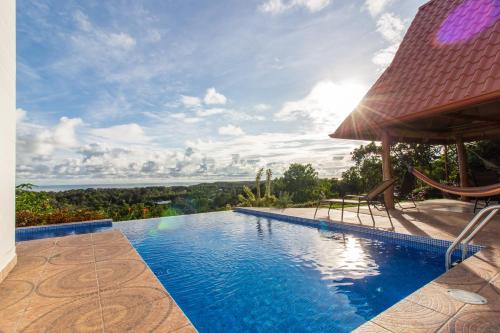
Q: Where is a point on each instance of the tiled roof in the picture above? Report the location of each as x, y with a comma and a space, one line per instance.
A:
448, 60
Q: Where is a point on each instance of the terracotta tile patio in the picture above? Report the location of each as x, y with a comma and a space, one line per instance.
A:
86, 283
430, 309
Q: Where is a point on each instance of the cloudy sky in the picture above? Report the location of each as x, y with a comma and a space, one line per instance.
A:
128, 91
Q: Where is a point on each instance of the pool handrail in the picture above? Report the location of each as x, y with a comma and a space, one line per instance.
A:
470, 231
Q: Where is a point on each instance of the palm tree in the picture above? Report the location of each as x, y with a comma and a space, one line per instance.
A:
258, 177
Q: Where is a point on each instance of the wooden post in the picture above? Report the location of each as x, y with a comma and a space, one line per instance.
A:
387, 169
446, 175
462, 164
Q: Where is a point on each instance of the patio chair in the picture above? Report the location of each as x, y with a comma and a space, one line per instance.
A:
373, 198
405, 191
483, 178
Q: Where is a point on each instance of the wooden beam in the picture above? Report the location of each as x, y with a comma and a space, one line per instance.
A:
476, 132
462, 164
387, 169
475, 117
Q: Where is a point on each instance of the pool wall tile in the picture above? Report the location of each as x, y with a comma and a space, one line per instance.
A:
420, 242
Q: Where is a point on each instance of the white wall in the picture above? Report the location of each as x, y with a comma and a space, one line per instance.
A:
7, 130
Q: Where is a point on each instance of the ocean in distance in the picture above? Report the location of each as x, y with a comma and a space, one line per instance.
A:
68, 187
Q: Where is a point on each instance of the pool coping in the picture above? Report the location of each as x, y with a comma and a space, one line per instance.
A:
64, 224
157, 280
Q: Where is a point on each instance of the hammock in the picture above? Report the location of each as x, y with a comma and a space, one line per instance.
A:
474, 192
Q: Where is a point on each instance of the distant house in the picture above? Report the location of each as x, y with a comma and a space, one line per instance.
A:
163, 202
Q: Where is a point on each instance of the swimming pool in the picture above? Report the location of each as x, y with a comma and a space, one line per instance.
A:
232, 272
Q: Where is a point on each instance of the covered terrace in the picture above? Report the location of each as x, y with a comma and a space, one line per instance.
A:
443, 86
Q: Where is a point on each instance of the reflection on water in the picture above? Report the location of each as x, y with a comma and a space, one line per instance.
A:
258, 225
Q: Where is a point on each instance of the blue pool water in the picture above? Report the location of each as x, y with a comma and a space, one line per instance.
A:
232, 272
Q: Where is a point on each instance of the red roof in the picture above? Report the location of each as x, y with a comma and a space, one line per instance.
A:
448, 60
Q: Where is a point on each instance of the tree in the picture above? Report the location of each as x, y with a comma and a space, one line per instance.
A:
284, 200
366, 172
258, 177
269, 198
252, 200
484, 155
269, 175
34, 202
248, 198
419, 155
301, 181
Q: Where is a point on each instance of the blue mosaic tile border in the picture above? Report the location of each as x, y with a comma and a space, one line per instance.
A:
421, 242
25, 232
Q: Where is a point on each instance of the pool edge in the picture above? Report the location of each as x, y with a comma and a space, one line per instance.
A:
472, 248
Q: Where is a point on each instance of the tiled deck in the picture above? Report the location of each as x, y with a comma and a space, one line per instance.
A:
430, 309
86, 283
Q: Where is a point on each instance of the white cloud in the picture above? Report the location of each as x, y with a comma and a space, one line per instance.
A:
326, 105
63, 135
82, 20
123, 153
214, 97
243, 155
190, 101
239, 116
126, 133
231, 130
391, 27
262, 107
121, 39
20, 115
111, 39
178, 115
209, 112
313, 5
383, 57
153, 36
191, 120
280, 6
273, 7
39, 140
375, 7
184, 118
105, 161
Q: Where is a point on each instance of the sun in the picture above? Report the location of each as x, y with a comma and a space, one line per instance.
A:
335, 100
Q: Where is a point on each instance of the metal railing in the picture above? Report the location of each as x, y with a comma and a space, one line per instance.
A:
469, 232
